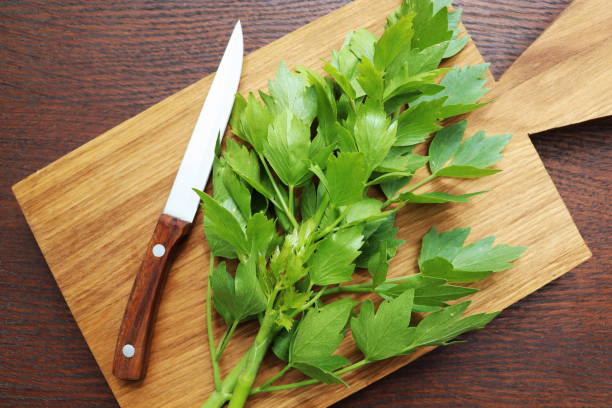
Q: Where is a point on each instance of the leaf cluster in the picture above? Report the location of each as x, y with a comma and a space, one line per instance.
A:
308, 193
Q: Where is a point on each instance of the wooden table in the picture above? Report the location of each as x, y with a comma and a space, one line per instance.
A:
71, 70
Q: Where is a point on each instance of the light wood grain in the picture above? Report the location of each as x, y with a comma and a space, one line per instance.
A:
563, 78
125, 174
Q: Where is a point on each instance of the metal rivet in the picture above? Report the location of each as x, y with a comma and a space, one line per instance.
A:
128, 350
159, 250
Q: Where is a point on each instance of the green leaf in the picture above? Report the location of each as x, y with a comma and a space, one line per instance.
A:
385, 333
261, 235
391, 290
481, 151
441, 268
378, 265
466, 172
222, 224
288, 148
246, 164
445, 144
374, 135
462, 86
371, 79
308, 201
436, 197
282, 341
395, 38
379, 233
251, 122
482, 256
440, 327
439, 295
332, 262
418, 122
346, 177
240, 298
361, 210
327, 111
470, 263
239, 193
409, 163
292, 92
362, 44
317, 336
221, 193
457, 43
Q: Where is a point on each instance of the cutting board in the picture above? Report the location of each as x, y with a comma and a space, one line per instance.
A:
93, 211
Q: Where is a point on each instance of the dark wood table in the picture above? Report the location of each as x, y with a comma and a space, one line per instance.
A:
72, 69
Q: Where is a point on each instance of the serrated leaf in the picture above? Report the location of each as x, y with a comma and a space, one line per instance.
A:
441, 268
240, 298
396, 37
391, 290
444, 245
239, 193
317, 337
418, 122
251, 121
362, 44
445, 144
288, 148
462, 86
222, 224
362, 210
439, 295
246, 164
482, 256
292, 92
409, 163
346, 177
332, 262
378, 265
374, 134
480, 151
466, 172
261, 234
438, 328
436, 197
377, 233
371, 79
385, 333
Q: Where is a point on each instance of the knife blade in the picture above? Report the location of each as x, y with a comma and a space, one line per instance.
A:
133, 341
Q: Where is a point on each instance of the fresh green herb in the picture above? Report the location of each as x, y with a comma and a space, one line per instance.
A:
298, 202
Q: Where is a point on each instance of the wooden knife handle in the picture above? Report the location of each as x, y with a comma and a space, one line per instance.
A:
131, 352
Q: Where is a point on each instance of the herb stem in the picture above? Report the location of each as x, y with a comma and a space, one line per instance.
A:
410, 189
278, 193
360, 287
291, 200
273, 379
227, 336
305, 383
333, 225
209, 328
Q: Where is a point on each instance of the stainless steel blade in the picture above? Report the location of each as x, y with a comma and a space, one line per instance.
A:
198, 159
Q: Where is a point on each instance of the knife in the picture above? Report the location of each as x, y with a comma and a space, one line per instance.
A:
131, 351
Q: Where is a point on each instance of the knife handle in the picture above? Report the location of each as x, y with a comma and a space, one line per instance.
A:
131, 352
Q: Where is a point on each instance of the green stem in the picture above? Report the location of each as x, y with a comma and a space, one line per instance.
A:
410, 189
255, 356
360, 287
273, 379
219, 397
278, 193
333, 225
227, 336
311, 381
291, 200
311, 301
209, 328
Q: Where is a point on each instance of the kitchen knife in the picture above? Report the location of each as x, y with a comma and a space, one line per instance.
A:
174, 223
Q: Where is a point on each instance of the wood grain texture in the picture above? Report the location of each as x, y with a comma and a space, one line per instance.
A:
141, 310
43, 363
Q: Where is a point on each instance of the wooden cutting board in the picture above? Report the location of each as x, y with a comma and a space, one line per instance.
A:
93, 211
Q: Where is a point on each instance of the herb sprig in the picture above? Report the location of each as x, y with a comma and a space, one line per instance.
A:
310, 193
